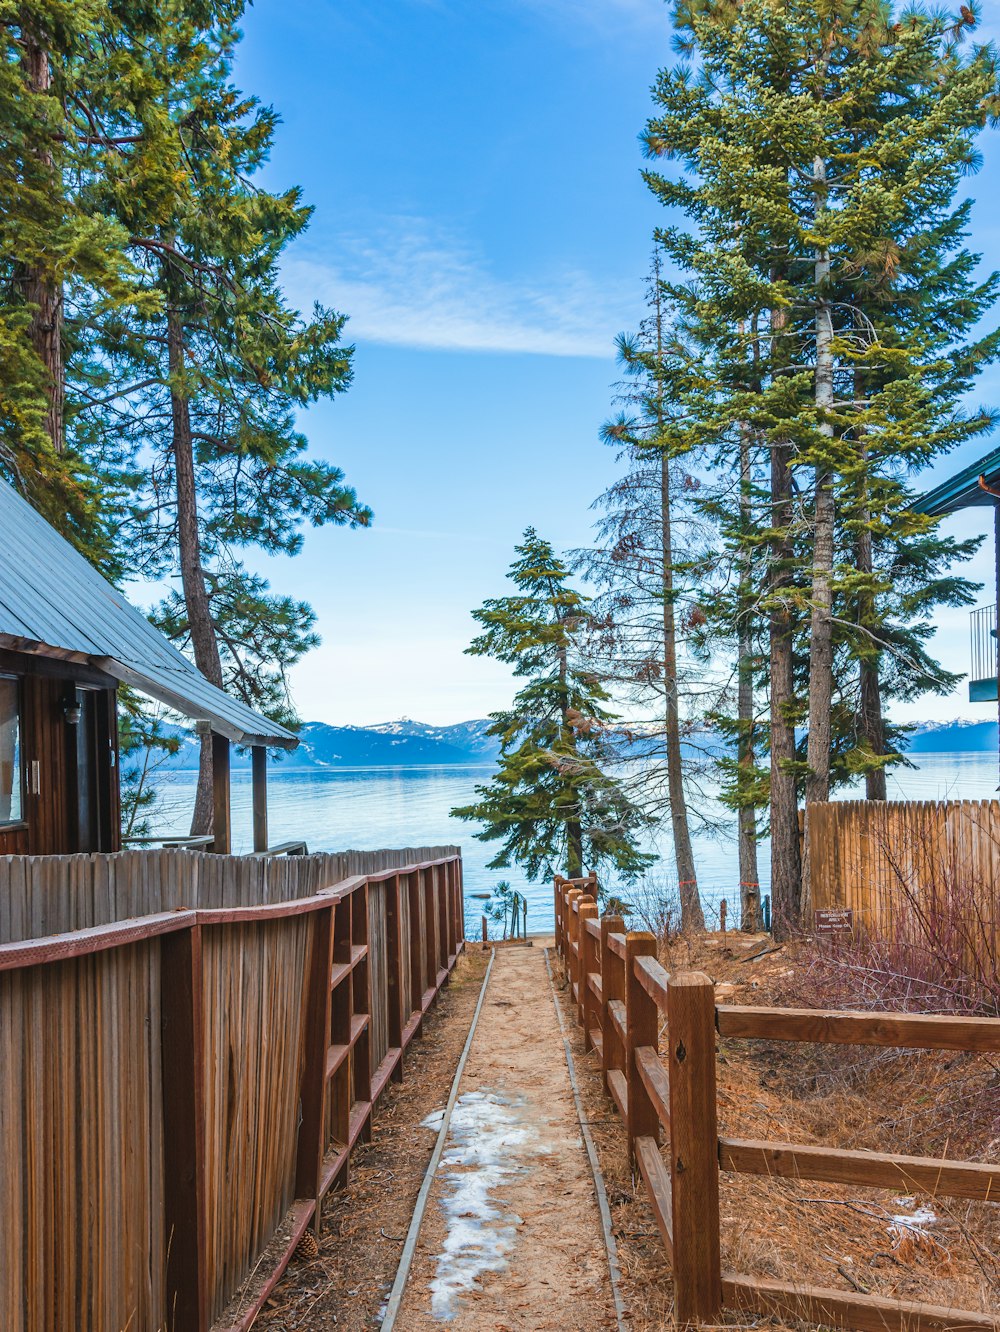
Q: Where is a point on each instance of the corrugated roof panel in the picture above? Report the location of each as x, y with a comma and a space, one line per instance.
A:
52, 597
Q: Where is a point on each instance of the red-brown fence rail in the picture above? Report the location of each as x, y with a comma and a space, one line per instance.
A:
179, 1091
621, 994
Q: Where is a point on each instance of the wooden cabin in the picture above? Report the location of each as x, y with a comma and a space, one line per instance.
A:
67, 640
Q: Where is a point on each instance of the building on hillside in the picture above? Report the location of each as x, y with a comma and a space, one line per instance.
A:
67, 640
976, 487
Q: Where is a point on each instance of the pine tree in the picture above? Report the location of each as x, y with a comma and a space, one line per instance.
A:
826, 144
552, 804
68, 71
195, 402
641, 570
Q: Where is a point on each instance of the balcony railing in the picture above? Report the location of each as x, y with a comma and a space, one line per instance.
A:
983, 675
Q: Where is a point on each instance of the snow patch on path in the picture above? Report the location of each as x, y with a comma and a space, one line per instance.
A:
489, 1143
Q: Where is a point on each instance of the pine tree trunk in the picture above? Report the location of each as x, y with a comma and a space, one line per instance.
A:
786, 882
750, 912
574, 850
872, 724
574, 830
40, 289
692, 915
203, 640
821, 619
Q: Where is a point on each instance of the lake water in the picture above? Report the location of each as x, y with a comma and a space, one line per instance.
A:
369, 808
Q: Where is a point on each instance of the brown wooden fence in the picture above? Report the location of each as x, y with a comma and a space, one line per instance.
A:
884, 859
622, 995
179, 1090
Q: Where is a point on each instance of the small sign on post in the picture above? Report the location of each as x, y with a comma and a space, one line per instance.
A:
834, 922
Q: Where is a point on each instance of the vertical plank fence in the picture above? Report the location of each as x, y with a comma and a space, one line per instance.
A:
672, 1094
180, 1088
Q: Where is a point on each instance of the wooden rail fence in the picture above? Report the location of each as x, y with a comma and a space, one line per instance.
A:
622, 995
180, 1090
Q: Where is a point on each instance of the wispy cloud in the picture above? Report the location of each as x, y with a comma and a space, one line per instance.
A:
411, 286
648, 13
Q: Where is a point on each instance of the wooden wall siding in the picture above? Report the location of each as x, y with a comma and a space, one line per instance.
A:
874, 856
48, 895
81, 1151
46, 739
405, 928
378, 957
180, 1088
254, 979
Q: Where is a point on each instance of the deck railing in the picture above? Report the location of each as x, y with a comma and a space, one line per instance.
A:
983, 630
179, 1090
622, 995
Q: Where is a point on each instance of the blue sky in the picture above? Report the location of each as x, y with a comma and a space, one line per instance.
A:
480, 216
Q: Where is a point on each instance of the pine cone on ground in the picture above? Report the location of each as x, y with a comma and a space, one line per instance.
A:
307, 1247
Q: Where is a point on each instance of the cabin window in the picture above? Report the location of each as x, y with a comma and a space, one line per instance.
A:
10, 753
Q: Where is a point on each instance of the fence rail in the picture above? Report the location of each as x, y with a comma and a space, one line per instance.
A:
622, 994
180, 1090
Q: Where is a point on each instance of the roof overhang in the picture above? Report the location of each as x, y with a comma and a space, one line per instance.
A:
183, 691
176, 694
964, 490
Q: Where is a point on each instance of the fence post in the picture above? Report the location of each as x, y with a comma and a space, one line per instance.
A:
557, 886
437, 874
694, 1149
184, 1185
416, 950
643, 1021
457, 907
589, 961
394, 970
312, 1090
571, 936
612, 987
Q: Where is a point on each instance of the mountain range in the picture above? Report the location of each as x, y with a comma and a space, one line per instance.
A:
396, 744
409, 744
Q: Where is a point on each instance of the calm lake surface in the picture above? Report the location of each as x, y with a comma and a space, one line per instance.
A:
369, 808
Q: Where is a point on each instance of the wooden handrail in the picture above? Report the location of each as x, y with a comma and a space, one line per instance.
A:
834, 1308
786, 1160
120, 933
655, 1080
903, 1030
654, 979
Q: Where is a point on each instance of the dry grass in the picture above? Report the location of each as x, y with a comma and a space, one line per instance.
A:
838, 1237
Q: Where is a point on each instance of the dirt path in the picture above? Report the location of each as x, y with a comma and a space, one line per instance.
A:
511, 1238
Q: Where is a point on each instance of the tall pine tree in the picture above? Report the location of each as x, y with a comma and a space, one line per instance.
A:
194, 398
552, 804
825, 145
641, 567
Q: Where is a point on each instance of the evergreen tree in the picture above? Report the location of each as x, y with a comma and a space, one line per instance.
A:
830, 287
643, 573
552, 804
193, 399
69, 74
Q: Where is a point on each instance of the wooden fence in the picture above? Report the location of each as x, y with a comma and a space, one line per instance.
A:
881, 858
622, 995
179, 1090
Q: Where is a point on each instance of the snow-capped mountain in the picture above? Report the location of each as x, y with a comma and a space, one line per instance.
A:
402, 743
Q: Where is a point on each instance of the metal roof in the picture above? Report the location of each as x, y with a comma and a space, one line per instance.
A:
52, 600
963, 491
